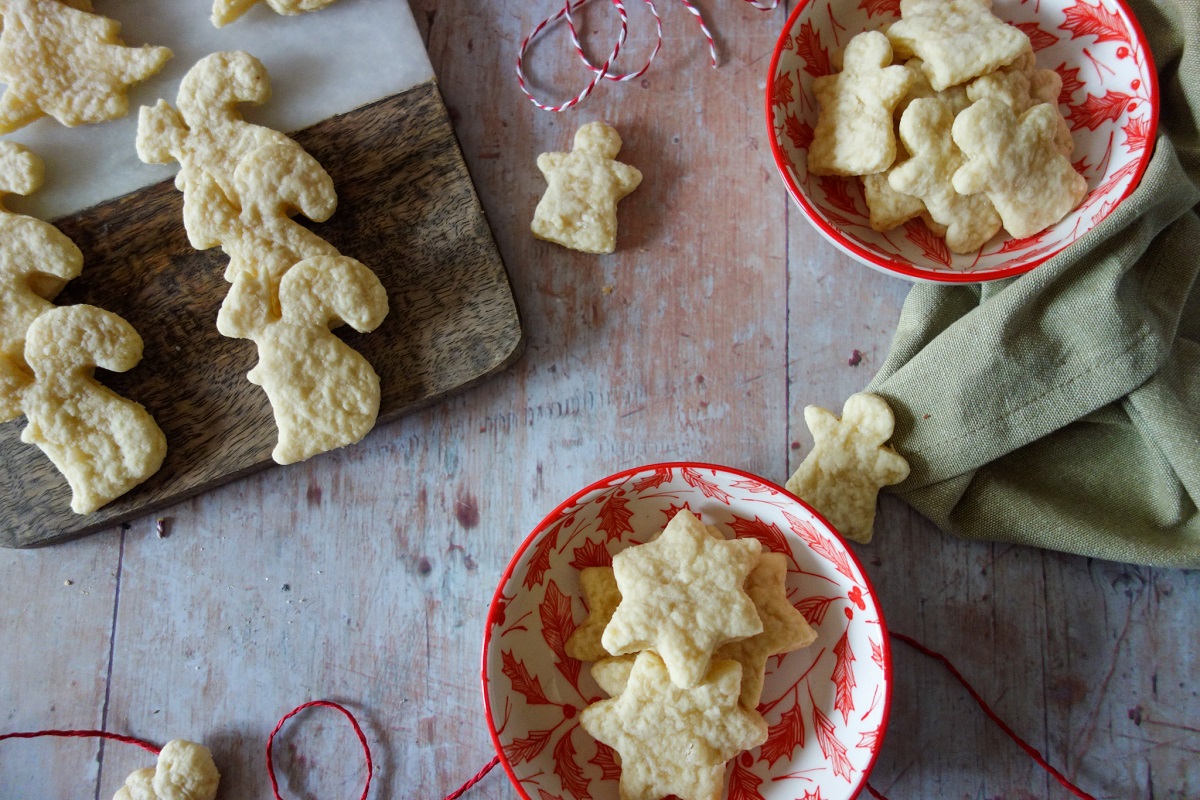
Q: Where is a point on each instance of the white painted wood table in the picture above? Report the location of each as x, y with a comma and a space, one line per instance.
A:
364, 575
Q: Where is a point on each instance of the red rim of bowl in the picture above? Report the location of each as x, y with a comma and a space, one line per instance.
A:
911, 270
623, 475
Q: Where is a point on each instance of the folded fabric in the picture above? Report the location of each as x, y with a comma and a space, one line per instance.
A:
1061, 409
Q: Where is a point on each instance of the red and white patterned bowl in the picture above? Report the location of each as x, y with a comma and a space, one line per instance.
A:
826, 705
1109, 98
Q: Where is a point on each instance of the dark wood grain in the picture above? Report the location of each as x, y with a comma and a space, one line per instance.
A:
407, 209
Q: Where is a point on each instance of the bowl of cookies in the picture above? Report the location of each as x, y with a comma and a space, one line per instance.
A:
685, 629
957, 141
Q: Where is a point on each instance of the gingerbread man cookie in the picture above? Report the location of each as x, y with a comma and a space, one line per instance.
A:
970, 220
579, 208
957, 40
849, 463
58, 59
854, 133
1017, 163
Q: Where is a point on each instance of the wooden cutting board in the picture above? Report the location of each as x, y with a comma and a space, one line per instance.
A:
406, 208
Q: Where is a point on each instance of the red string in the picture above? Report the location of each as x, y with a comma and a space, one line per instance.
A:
460, 791
1034, 754
116, 737
874, 793
362, 739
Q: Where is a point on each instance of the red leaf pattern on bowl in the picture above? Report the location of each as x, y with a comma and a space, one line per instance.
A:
523, 683
935, 247
591, 554
885, 7
1038, 36
540, 740
707, 488
816, 57
743, 784
782, 95
814, 608
566, 768
843, 677
1096, 110
784, 736
1106, 96
614, 516
1084, 19
1070, 83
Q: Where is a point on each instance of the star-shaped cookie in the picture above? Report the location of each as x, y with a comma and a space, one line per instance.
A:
682, 596
602, 597
849, 463
185, 771
673, 740
784, 628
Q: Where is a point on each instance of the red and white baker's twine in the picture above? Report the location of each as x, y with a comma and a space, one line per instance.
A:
362, 739
1029, 749
605, 71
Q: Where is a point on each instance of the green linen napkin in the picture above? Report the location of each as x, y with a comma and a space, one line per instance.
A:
1061, 409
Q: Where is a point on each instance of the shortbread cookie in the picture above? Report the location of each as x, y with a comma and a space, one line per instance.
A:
848, 464
185, 771
226, 11
612, 674
784, 628
36, 259
1021, 90
208, 136
1017, 164
682, 595
673, 740
323, 393
887, 207
602, 597
854, 133
579, 208
970, 220
63, 61
957, 40
103, 443
954, 96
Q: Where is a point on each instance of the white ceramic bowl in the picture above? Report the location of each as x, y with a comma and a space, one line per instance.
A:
826, 705
1109, 98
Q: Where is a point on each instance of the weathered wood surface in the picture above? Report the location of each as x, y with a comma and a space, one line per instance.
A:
406, 208
728, 314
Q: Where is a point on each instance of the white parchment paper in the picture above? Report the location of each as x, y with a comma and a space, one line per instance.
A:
321, 64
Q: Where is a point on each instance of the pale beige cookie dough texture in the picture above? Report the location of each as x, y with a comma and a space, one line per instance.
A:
673, 740
1018, 163
682, 595
579, 208
58, 59
855, 133
849, 463
242, 184
103, 443
227, 11
956, 40
602, 597
185, 771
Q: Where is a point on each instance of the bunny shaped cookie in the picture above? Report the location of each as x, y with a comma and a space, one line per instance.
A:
103, 443
324, 393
